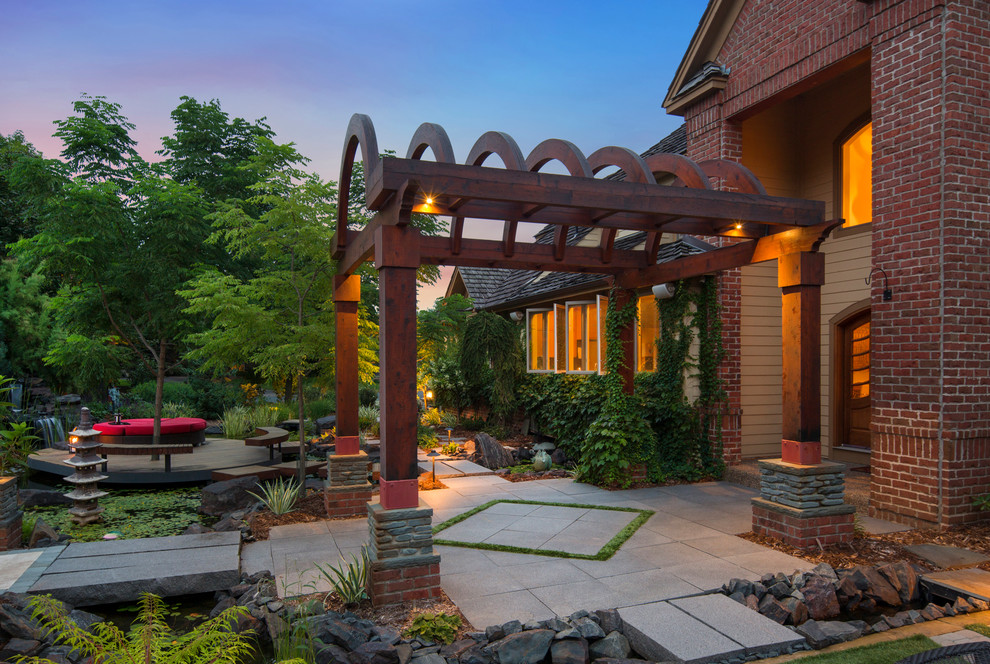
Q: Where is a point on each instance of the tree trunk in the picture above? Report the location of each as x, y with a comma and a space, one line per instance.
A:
301, 466
156, 435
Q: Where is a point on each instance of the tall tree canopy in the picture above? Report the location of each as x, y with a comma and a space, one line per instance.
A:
15, 218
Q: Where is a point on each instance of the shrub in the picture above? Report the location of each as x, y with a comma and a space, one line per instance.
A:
349, 579
237, 422
174, 409
426, 439
270, 414
320, 408
473, 423
449, 420
171, 391
436, 627
210, 398
368, 395
367, 417
279, 496
431, 418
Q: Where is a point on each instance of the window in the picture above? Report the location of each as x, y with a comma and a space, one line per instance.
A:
857, 179
647, 333
541, 341
582, 337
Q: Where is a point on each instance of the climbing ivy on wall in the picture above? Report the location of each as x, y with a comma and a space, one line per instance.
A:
594, 422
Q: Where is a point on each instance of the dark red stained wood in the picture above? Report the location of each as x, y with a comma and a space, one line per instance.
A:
509, 237
493, 184
397, 354
628, 340
456, 233
346, 297
800, 276
527, 256
559, 242
752, 251
607, 245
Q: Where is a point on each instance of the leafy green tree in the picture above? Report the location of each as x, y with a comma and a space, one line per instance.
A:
120, 237
439, 332
280, 320
490, 359
25, 326
15, 220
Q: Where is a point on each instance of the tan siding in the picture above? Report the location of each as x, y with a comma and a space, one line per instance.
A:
761, 363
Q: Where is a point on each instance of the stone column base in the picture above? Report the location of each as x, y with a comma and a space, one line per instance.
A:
348, 491
10, 515
345, 501
402, 565
804, 529
803, 504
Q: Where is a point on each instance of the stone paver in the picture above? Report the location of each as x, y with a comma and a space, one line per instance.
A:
14, 565
661, 632
746, 627
947, 556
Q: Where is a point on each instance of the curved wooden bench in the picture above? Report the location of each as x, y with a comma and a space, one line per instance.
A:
142, 450
268, 437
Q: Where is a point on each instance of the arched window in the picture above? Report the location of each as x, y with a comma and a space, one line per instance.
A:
856, 158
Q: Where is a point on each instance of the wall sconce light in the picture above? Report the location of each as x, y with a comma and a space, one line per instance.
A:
517, 316
888, 294
664, 291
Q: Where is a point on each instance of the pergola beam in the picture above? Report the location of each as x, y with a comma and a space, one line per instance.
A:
446, 183
527, 256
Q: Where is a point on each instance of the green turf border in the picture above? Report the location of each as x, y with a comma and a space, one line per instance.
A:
604, 553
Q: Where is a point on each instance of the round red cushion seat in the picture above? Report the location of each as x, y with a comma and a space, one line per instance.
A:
145, 426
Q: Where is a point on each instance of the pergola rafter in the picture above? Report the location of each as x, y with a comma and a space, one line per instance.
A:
759, 228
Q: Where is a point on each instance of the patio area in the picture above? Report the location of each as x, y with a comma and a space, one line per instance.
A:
688, 547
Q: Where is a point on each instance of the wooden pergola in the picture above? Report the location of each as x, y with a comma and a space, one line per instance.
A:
761, 228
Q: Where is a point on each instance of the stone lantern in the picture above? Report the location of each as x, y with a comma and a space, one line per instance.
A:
83, 441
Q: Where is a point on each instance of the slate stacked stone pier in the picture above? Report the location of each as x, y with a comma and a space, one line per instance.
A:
403, 565
803, 504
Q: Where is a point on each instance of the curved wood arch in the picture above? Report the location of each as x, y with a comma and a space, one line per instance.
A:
688, 172
635, 169
503, 145
360, 132
555, 149
433, 136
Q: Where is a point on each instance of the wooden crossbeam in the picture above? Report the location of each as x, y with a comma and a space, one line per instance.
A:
448, 182
527, 256
744, 253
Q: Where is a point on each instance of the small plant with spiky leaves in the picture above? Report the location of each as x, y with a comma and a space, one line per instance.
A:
279, 496
348, 579
149, 640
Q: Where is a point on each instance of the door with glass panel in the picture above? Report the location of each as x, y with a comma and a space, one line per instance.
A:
854, 381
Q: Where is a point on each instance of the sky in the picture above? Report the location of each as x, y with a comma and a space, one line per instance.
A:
593, 73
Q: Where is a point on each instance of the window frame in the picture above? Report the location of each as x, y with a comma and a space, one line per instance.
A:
550, 343
639, 333
571, 304
838, 173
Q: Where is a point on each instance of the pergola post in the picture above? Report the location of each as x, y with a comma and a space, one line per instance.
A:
348, 489
801, 498
403, 566
627, 338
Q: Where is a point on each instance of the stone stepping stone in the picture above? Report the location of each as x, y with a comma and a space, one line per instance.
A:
947, 556
959, 582
91, 573
704, 628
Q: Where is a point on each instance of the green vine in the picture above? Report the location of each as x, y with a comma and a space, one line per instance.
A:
607, 431
619, 437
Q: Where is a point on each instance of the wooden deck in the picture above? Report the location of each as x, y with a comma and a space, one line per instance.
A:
215, 454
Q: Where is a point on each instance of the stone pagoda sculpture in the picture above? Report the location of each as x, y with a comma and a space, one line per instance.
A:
83, 441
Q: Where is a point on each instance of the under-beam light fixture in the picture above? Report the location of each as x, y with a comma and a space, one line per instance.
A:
664, 291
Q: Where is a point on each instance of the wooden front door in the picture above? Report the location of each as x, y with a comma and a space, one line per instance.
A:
854, 381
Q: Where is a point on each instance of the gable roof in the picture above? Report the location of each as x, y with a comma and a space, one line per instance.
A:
498, 288
699, 74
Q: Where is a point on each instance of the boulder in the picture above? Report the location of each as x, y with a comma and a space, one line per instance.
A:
874, 585
17, 648
569, 651
333, 629
849, 595
220, 498
523, 647
614, 646
41, 531
904, 579
457, 647
588, 628
610, 620
773, 609
376, 652
558, 457
331, 654
42, 498
825, 570
488, 452
798, 611
819, 597
821, 634
479, 654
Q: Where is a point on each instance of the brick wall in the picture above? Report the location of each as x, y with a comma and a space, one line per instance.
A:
10, 515
930, 68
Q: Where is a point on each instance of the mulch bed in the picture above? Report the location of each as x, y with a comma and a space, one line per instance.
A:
880, 549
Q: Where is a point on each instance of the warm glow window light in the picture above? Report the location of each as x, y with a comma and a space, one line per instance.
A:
582, 336
648, 331
542, 342
857, 179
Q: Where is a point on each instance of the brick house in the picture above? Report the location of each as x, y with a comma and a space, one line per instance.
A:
880, 109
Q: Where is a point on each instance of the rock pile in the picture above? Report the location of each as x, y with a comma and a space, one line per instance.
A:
814, 601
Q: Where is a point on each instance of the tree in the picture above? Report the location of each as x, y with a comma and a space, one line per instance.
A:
15, 220
25, 326
120, 237
281, 319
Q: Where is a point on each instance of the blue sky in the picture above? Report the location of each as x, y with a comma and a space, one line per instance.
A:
593, 73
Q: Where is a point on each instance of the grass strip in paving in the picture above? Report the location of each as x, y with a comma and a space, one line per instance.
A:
979, 629
604, 553
884, 652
